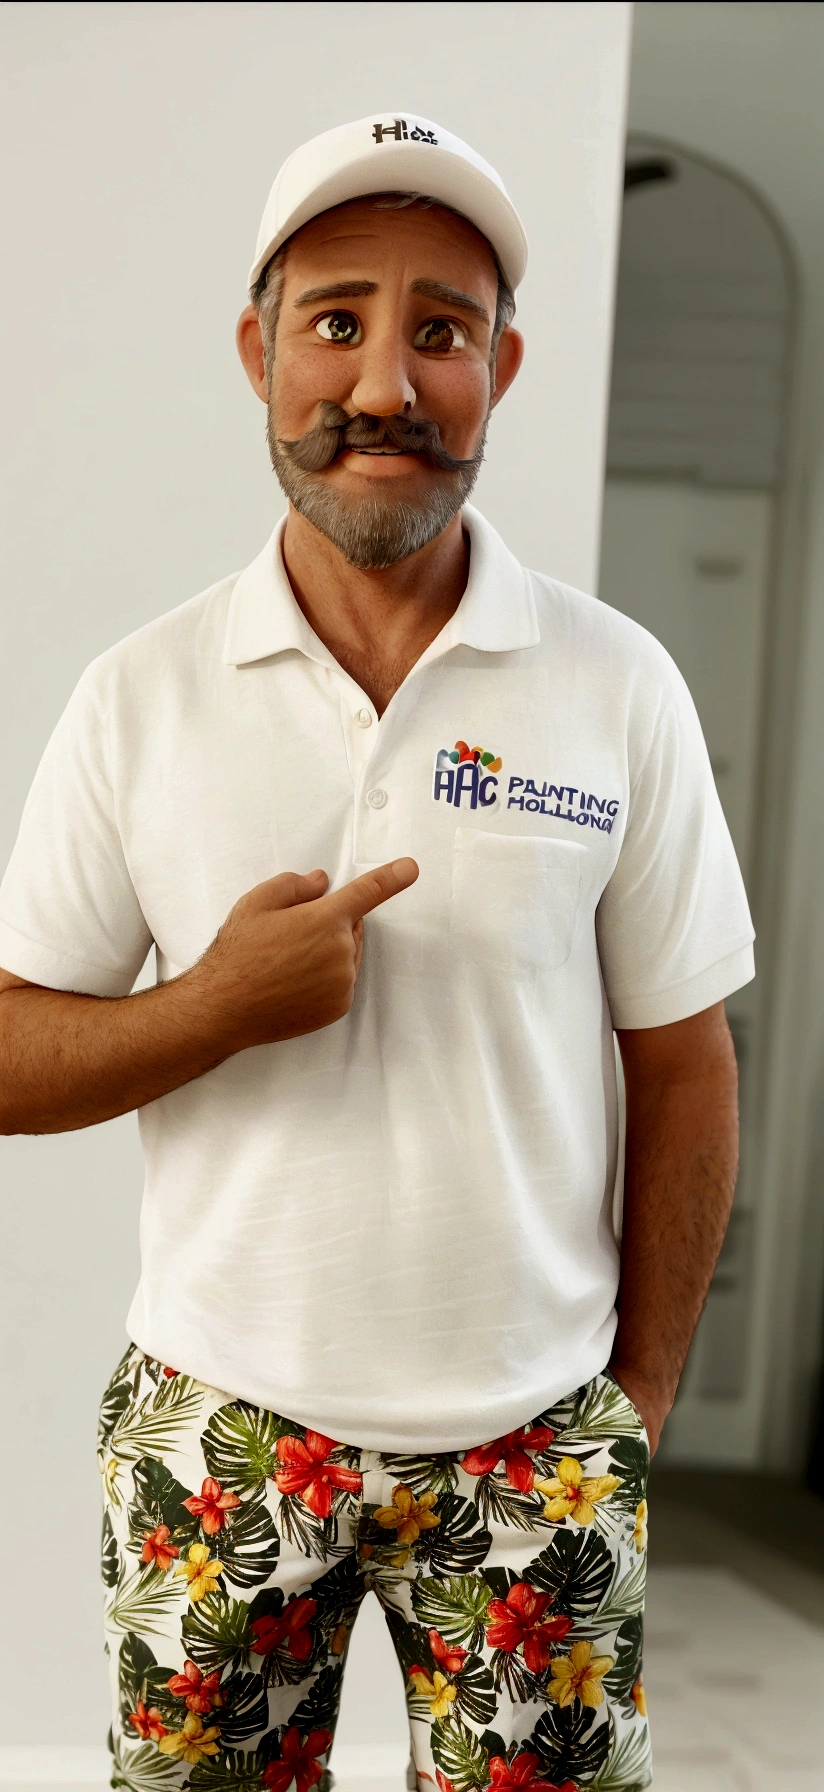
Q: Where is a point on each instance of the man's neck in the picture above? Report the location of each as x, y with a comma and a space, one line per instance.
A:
377, 624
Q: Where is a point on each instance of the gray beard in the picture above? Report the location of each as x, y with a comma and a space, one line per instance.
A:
372, 533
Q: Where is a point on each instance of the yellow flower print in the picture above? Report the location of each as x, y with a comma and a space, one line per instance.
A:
578, 1676
192, 1742
638, 1696
569, 1494
199, 1571
408, 1516
436, 1689
639, 1535
339, 1640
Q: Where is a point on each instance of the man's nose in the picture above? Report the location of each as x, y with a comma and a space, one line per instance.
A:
383, 387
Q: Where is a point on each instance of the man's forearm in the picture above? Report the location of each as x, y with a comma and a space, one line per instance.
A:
68, 1061
681, 1166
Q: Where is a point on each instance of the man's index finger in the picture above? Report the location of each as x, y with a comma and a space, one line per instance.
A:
374, 887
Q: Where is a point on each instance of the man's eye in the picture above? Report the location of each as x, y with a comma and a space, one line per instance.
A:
440, 334
339, 326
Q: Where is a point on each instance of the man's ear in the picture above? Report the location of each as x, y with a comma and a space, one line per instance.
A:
250, 348
509, 356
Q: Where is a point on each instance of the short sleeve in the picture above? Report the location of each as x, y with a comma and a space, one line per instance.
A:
69, 915
673, 924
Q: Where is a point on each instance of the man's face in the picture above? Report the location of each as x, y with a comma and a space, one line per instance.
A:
385, 314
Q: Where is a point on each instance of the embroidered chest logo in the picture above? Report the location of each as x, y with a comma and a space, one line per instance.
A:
467, 777
463, 771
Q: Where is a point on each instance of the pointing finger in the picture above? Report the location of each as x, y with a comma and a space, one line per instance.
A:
373, 888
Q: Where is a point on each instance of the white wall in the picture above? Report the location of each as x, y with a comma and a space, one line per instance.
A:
140, 141
742, 84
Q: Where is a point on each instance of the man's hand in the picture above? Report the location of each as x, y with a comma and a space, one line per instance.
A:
285, 962
287, 957
681, 1165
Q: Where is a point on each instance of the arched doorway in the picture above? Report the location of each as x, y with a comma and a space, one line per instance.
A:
697, 423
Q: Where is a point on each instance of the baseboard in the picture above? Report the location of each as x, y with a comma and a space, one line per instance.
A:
89, 1767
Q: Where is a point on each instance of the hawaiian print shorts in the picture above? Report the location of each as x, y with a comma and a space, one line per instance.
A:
237, 1548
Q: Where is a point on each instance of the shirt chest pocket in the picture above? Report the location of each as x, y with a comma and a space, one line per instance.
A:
514, 900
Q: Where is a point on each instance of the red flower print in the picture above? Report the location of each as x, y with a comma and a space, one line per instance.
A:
444, 1785
520, 1776
199, 1690
449, 1657
298, 1761
158, 1549
211, 1505
520, 1619
148, 1724
512, 1449
291, 1628
171, 1373
304, 1469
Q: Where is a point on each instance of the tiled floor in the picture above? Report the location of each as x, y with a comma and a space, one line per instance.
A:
735, 1684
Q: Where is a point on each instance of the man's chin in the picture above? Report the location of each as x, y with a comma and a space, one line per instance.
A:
378, 527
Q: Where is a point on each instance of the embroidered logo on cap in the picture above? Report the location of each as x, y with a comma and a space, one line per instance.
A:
466, 771
400, 133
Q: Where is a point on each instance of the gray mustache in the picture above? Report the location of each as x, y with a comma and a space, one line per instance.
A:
337, 431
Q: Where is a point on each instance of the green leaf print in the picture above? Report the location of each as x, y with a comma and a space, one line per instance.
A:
498, 1503
319, 1710
249, 1545
217, 1634
438, 1473
576, 1568
158, 1499
142, 1681
602, 1411
144, 1602
112, 1407
455, 1606
625, 1599
109, 1557
223, 1772
569, 1744
142, 1769
459, 1753
629, 1766
629, 1458
314, 1536
154, 1424
135, 1660
457, 1544
475, 1690
239, 1446
338, 1595
511, 1672
627, 1649
246, 1711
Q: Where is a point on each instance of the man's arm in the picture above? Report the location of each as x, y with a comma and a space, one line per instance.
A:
681, 1166
284, 963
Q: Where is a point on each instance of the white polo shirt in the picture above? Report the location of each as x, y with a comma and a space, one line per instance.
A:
397, 1229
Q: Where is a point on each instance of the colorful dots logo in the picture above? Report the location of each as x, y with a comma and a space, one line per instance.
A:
461, 754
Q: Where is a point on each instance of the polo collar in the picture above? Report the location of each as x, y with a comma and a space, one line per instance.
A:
496, 613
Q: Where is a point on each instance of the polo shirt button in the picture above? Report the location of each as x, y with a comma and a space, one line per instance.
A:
363, 717
377, 799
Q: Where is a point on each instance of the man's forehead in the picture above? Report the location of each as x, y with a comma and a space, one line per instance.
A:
364, 227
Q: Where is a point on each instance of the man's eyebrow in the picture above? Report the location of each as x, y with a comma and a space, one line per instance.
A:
450, 295
340, 289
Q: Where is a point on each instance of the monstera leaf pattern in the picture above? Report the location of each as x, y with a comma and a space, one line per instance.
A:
513, 1591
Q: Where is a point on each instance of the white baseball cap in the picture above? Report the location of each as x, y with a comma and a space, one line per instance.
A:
395, 152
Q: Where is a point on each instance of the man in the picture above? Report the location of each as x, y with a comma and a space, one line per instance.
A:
412, 831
